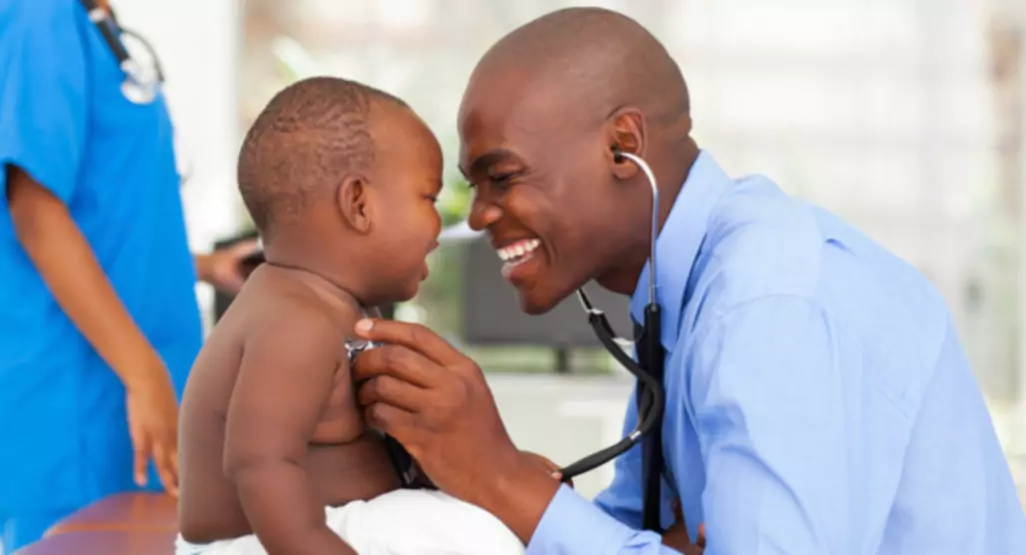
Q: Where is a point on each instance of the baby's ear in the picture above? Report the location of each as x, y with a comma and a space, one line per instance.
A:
354, 202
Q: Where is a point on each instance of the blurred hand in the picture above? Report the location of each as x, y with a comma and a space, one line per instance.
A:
676, 536
153, 425
223, 268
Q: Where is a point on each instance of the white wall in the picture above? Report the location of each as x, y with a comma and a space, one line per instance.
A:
564, 418
197, 42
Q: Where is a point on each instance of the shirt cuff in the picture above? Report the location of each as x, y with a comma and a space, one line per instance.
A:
572, 525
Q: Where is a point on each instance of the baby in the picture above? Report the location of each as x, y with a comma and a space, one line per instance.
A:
341, 181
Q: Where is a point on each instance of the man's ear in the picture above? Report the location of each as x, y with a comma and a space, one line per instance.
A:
354, 202
625, 132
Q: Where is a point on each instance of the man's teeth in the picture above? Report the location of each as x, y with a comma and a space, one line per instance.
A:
518, 250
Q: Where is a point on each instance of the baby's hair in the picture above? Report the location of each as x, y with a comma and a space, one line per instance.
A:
303, 143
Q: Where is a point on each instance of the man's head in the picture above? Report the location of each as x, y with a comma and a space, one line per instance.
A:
341, 179
539, 120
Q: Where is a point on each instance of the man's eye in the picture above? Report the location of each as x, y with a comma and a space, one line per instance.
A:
502, 179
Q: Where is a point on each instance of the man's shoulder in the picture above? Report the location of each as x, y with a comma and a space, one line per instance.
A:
761, 242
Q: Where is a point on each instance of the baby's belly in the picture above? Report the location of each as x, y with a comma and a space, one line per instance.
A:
339, 473
360, 469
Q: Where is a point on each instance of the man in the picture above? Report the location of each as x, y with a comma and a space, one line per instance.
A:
818, 399
100, 323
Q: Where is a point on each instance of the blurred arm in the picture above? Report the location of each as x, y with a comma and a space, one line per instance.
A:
69, 268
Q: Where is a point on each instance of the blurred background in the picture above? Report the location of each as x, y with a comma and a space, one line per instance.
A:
906, 117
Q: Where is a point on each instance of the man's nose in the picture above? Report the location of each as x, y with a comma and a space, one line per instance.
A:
482, 214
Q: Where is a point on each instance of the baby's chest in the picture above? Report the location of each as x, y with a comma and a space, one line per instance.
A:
340, 420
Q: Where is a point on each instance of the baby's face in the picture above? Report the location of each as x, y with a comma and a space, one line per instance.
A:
408, 175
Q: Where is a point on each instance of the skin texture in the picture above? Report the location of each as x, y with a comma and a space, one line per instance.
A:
539, 121
270, 432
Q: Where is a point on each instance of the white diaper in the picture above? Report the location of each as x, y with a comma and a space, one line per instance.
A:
402, 522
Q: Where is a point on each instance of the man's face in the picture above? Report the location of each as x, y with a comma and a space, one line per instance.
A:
542, 186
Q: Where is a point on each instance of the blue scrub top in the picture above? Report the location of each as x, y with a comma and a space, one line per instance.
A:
63, 432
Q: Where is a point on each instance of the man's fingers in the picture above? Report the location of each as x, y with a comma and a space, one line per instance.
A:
414, 336
701, 536
389, 419
398, 361
393, 391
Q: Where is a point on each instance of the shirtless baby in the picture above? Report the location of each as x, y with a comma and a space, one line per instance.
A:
341, 181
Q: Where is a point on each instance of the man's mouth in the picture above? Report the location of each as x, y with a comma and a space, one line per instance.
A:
517, 253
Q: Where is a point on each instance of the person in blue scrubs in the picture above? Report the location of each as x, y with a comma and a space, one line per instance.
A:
100, 322
818, 396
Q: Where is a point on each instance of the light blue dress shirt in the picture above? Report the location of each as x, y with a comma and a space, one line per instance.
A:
64, 438
818, 398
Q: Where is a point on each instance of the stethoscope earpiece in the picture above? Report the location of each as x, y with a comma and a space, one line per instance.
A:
618, 156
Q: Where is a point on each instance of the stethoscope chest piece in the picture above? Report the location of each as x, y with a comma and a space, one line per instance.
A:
139, 87
141, 84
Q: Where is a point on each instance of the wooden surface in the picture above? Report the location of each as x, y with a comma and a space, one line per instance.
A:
143, 512
105, 543
123, 524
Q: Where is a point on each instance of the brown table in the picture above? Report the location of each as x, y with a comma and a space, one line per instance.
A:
123, 542
140, 512
123, 524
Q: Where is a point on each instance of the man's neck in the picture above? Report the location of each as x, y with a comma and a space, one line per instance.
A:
670, 177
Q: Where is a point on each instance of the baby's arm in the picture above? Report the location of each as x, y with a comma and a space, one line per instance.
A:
286, 377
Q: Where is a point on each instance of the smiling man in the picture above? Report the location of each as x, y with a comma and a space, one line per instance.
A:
818, 397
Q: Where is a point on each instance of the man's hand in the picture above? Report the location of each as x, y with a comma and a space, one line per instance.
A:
676, 536
153, 425
435, 401
552, 468
223, 268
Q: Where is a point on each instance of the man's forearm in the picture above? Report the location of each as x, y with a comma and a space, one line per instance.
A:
281, 506
68, 266
520, 495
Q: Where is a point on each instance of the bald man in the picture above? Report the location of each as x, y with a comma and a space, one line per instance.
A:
818, 397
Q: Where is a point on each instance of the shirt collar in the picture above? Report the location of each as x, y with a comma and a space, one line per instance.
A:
678, 243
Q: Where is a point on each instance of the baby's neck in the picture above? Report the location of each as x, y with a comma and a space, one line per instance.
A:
341, 283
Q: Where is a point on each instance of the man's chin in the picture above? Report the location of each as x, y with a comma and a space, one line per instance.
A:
537, 301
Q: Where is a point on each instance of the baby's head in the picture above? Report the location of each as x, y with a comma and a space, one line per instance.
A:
341, 180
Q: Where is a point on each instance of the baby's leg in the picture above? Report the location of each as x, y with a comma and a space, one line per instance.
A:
422, 522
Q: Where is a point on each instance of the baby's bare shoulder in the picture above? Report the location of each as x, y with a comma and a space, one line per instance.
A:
295, 317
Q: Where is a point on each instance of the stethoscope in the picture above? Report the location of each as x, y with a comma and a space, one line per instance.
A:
648, 369
141, 84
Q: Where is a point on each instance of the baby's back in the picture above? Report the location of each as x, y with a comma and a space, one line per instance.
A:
344, 461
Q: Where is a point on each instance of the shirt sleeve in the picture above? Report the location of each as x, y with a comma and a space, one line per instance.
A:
768, 408
622, 498
42, 93
572, 525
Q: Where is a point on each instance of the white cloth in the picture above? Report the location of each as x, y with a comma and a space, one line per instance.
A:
402, 522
